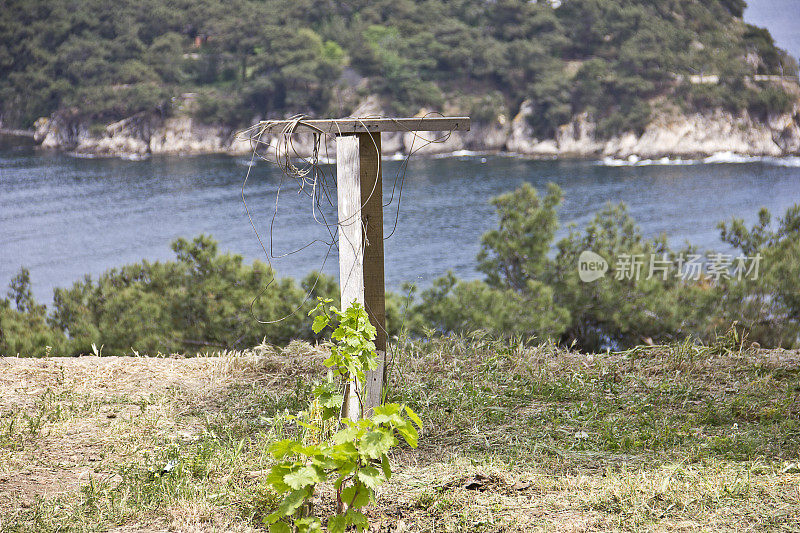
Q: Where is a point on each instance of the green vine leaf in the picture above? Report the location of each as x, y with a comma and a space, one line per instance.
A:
302, 477
409, 434
358, 519
346, 451
280, 527
386, 467
275, 478
356, 496
346, 435
320, 323
376, 443
282, 448
308, 525
370, 476
413, 416
292, 502
337, 524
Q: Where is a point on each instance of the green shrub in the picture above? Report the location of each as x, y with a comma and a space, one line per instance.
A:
339, 445
203, 301
527, 293
24, 329
768, 306
771, 99
468, 306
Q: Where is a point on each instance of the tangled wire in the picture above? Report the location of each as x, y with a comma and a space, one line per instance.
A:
311, 180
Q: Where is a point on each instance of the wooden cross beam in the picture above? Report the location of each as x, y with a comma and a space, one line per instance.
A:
347, 126
360, 228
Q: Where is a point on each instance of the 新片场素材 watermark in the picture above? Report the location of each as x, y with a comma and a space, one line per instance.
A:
688, 267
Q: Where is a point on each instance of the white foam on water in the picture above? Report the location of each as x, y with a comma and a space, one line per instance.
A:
634, 161
720, 158
466, 153
77, 155
458, 153
731, 157
134, 157
123, 157
793, 161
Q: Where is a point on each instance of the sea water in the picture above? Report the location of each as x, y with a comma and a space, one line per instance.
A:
63, 217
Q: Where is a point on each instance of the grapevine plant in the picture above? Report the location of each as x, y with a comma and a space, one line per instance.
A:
352, 454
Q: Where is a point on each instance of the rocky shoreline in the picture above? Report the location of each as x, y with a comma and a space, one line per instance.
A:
681, 136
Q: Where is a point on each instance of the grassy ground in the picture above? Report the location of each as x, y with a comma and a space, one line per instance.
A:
516, 439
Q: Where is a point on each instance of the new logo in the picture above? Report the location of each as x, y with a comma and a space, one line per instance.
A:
591, 266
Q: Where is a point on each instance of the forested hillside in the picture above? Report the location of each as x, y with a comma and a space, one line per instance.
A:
618, 60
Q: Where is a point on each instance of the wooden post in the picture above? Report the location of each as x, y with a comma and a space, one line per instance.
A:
351, 242
360, 205
372, 218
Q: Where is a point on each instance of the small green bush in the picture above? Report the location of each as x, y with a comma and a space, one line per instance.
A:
339, 446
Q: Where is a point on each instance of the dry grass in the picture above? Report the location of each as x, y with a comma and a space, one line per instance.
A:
517, 439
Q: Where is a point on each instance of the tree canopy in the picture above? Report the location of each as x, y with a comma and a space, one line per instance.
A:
247, 59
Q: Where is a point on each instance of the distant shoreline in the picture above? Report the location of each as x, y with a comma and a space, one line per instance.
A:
667, 139
724, 157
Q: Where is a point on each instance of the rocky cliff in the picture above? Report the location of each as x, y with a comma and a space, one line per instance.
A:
137, 136
668, 135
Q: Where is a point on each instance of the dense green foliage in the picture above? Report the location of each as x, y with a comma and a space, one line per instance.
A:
514, 299
532, 289
770, 307
202, 301
266, 58
529, 292
24, 329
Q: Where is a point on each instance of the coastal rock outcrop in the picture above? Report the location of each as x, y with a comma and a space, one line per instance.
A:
137, 136
128, 137
63, 130
183, 135
699, 135
521, 138
667, 135
578, 137
787, 132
